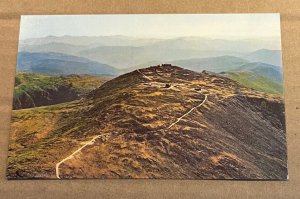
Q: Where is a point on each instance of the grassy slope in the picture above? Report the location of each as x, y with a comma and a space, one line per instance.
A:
36, 89
35, 133
27, 82
255, 81
271, 72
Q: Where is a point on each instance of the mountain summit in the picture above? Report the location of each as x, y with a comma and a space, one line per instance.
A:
158, 122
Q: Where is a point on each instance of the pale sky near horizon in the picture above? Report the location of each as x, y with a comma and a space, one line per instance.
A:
221, 26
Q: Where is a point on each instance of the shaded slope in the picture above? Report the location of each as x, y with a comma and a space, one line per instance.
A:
230, 131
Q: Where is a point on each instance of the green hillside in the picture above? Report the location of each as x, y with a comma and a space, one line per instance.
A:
266, 70
33, 90
258, 82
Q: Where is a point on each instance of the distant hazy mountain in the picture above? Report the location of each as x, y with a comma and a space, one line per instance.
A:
56, 47
199, 43
266, 56
57, 63
232, 64
206, 44
128, 56
213, 64
123, 52
116, 40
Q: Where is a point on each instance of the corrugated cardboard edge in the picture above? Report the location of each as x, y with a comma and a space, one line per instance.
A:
10, 12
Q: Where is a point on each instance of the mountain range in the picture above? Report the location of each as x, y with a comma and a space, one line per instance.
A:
123, 52
272, 57
115, 55
61, 64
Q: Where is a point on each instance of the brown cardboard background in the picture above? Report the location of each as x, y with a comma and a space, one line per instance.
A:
10, 12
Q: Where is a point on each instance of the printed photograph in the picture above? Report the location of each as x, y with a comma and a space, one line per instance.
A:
148, 96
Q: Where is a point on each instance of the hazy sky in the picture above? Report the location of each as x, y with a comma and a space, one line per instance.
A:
227, 26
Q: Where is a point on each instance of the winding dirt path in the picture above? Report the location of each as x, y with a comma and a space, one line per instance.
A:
91, 142
178, 119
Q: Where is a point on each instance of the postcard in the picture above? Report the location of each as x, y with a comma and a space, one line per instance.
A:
155, 96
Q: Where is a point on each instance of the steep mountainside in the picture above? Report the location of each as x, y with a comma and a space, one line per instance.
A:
59, 63
33, 90
157, 122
